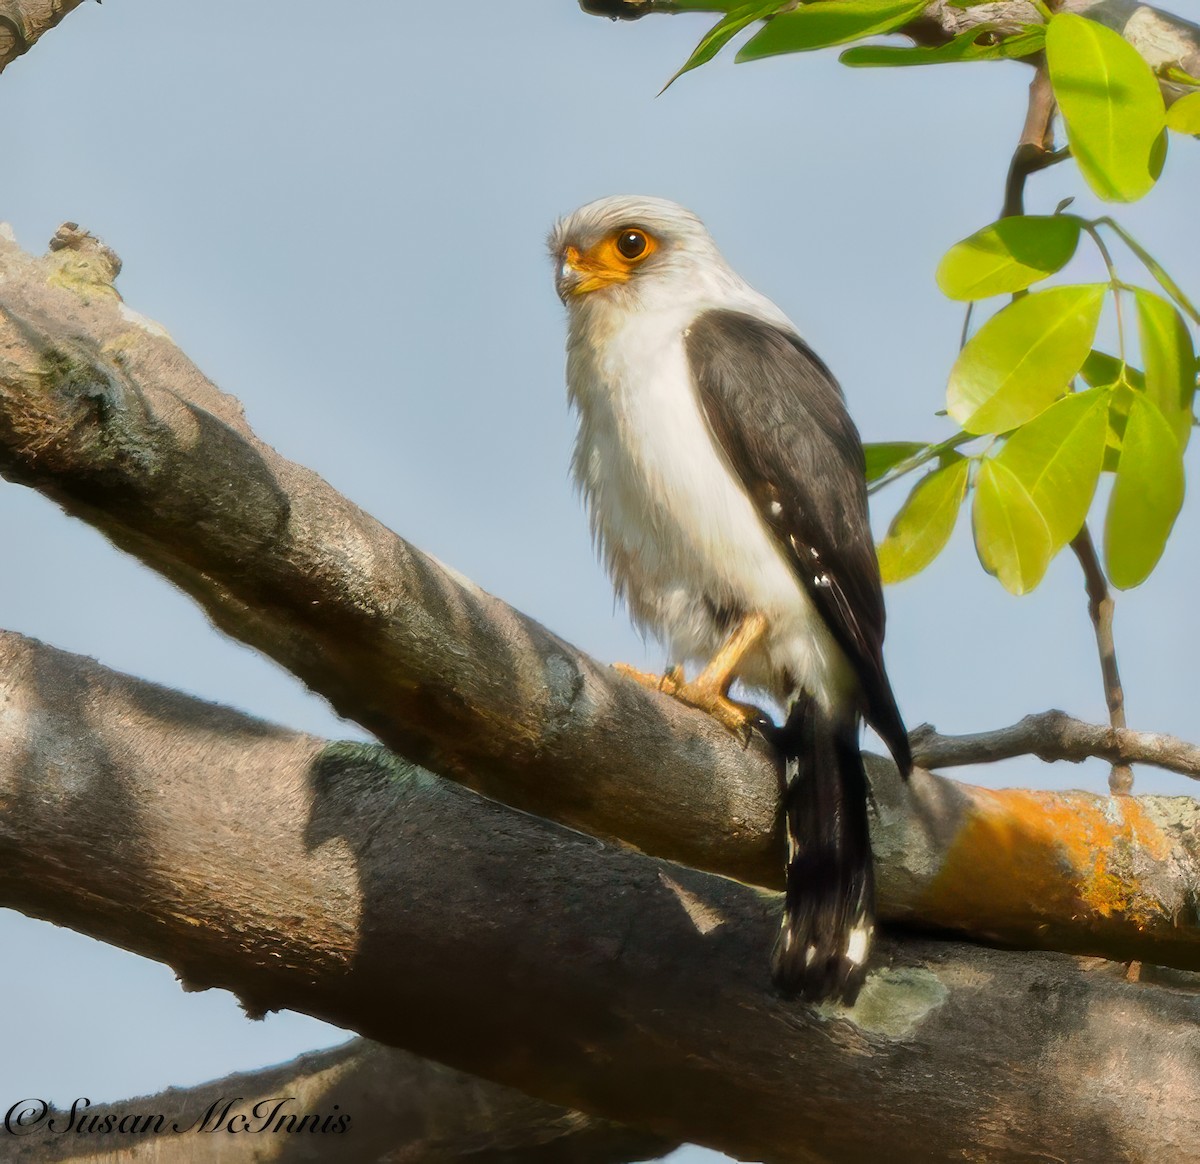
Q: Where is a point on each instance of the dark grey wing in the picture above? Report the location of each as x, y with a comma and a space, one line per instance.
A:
780, 419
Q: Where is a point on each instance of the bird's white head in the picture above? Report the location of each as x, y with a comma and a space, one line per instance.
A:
636, 251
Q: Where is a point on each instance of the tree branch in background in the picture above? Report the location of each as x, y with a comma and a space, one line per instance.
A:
1054, 735
399, 1109
1162, 38
340, 881
22, 22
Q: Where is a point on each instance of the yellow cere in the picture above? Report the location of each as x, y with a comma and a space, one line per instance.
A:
611, 260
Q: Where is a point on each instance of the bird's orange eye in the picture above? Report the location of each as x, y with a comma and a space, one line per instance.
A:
632, 243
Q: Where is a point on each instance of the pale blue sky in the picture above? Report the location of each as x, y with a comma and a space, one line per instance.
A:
340, 214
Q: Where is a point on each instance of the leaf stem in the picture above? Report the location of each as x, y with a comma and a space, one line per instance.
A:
1113, 281
966, 327
1151, 264
927, 454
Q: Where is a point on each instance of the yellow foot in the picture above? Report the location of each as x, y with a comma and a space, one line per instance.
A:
738, 718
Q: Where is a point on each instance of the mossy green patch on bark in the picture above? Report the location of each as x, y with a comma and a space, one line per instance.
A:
894, 1003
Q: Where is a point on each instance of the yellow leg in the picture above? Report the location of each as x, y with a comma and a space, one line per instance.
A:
709, 691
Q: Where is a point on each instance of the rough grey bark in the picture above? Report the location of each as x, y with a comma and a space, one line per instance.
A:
345, 883
399, 1110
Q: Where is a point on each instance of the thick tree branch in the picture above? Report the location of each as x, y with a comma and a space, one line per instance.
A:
22, 22
339, 881
397, 1108
101, 412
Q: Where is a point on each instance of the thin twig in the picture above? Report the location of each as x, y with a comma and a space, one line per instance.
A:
1035, 151
927, 454
1114, 282
1054, 735
1100, 608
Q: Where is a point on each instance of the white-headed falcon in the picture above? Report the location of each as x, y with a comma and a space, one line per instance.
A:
724, 482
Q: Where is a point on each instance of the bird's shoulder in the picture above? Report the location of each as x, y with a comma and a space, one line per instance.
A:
763, 368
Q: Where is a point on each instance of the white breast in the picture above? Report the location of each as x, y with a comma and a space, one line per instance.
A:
680, 537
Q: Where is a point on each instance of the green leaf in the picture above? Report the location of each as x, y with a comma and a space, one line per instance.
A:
888, 454
1008, 256
921, 529
1146, 497
1057, 457
1123, 384
1120, 400
1023, 358
721, 34
1111, 103
1184, 115
1011, 536
1158, 153
1100, 368
964, 47
828, 22
1169, 358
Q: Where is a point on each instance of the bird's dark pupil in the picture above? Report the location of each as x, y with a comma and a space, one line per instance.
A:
631, 243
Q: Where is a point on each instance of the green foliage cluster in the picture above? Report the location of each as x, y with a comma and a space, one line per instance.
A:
1056, 412
1043, 412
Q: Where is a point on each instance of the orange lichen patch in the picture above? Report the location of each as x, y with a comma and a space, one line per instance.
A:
1056, 859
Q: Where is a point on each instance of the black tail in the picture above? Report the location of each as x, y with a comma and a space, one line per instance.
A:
829, 913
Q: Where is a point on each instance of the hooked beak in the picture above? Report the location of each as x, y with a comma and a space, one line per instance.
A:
568, 276
579, 273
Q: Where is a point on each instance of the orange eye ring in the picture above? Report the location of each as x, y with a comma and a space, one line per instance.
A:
632, 244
